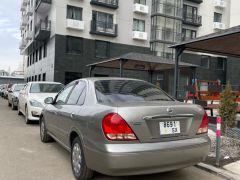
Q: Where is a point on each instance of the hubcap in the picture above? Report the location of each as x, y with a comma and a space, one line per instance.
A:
76, 158
42, 129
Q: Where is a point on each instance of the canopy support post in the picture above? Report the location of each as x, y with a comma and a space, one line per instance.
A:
91, 68
179, 52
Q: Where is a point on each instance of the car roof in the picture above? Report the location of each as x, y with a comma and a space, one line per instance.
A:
110, 78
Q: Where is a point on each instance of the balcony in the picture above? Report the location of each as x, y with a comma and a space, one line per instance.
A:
103, 28
219, 3
43, 30
167, 9
113, 4
196, 1
24, 21
167, 35
75, 24
140, 8
30, 10
43, 6
23, 8
140, 35
218, 26
192, 20
29, 35
23, 44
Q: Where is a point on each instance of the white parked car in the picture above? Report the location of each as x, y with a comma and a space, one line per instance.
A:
31, 98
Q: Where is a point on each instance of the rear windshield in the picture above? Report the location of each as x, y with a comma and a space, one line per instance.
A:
18, 87
46, 88
110, 91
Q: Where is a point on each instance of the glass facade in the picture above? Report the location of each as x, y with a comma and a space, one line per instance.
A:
166, 26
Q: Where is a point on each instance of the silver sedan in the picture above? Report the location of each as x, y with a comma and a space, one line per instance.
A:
120, 126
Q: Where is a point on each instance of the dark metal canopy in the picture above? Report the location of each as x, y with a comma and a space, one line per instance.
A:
138, 61
225, 42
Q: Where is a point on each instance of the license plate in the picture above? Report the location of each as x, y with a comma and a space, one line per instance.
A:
169, 127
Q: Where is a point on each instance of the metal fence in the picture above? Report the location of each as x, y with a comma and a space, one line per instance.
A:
230, 132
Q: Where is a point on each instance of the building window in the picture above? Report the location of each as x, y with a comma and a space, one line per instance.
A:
102, 49
188, 34
217, 17
32, 78
138, 25
40, 53
74, 45
45, 50
33, 58
36, 78
44, 77
74, 13
28, 59
102, 20
37, 55
221, 63
39, 77
190, 12
71, 76
205, 60
140, 2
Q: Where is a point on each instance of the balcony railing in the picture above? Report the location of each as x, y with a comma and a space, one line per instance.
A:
167, 9
43, 30
42, 6
192, 20
165, 35
103, 28
113, 4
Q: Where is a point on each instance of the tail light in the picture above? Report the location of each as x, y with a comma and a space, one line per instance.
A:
204, 124
115, 128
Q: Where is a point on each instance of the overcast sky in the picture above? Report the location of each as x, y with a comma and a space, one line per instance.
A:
9, 34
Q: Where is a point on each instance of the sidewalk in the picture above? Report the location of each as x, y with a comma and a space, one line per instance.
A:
224, 173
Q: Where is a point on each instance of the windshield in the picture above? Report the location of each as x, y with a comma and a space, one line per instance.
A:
46, 88
18, 87
110, 91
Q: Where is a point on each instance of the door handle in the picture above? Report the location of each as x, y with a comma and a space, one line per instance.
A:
72, 115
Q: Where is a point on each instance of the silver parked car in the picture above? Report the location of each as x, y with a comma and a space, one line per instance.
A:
13, 94
120, 126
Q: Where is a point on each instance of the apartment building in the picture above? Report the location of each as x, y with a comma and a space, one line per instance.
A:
59, 38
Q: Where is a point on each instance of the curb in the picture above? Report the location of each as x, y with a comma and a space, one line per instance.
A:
218, 172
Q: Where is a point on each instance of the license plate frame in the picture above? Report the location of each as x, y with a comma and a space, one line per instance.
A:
169, 127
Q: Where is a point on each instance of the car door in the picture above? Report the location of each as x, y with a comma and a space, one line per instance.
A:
53, 115
71, 111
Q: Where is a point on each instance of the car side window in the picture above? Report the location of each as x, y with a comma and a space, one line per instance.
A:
77, 91
82, 97
62, 97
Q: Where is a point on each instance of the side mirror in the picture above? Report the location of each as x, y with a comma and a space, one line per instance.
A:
49, 100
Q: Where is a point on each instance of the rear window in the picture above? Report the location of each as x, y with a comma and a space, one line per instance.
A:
110, 91
18, 87
45, 88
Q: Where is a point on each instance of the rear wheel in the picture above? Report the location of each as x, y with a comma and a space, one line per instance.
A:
9, 104
13, 107
27, 121
79, 167
45, 138
19, 112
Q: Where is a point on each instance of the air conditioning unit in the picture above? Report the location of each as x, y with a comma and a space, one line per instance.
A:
140, 35
75, 24
218, 25
220, 3
140, 8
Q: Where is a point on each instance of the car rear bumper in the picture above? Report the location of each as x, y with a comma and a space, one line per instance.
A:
147, 158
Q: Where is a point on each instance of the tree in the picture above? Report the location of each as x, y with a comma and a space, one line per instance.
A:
228, 108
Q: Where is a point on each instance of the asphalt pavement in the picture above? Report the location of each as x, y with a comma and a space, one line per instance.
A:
24, 157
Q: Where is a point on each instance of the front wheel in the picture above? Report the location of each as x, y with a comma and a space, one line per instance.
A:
27, 121
79, 167
45, 138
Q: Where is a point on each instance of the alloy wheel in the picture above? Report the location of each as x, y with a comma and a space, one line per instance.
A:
76, 158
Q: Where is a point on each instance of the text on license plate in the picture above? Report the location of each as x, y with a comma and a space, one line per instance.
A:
169, 127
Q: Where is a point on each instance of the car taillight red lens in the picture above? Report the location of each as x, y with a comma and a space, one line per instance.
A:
204, 124
115, 128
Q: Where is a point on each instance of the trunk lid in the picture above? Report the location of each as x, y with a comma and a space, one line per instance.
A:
150, 120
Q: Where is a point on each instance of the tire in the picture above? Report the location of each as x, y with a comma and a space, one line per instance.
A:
9, 104
45, 137
19, 112
79, 167
27, 121
14, 107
